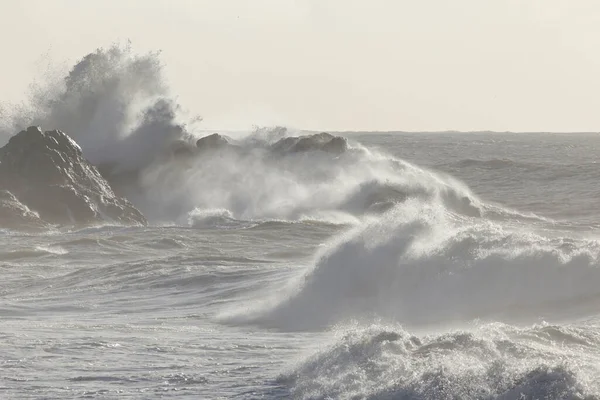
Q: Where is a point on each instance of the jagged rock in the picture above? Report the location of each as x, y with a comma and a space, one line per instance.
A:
320, 141
16, 215
47, 172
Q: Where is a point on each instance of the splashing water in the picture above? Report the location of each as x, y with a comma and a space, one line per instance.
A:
114, 103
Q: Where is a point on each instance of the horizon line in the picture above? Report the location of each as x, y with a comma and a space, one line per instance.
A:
396, 131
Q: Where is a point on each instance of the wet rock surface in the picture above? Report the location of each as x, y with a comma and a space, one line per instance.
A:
47, 173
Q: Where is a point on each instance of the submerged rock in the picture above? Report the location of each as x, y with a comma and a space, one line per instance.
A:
320, 141
46, 172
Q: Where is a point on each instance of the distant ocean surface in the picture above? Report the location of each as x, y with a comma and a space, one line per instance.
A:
412, 266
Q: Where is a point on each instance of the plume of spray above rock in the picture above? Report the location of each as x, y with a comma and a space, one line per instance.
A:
114, 103
117, 107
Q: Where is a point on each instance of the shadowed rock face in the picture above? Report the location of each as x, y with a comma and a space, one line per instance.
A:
47, 173
320, 141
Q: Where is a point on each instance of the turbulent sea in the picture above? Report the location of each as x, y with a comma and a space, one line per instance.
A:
388, 266
412, 266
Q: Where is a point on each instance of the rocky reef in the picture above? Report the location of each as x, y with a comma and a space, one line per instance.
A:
318, 142
45, 178
323, 141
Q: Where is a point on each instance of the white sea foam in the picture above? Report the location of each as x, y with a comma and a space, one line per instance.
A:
488, 362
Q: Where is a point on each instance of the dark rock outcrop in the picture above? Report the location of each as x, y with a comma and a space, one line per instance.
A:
212, 142
320, 141
47, 173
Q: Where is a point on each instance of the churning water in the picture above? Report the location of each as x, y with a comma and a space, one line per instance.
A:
410, 266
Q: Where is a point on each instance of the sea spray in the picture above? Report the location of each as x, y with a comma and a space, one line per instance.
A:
115, 103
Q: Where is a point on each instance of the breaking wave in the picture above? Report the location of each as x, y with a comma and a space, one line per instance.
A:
422, 264
490, 362
256, 185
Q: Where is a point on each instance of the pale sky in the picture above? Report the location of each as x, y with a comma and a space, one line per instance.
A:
419, 65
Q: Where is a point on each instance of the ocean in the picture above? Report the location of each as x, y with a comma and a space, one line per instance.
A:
412, 266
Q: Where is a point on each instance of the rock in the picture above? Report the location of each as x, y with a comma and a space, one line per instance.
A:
182, 148
47, 172
214, 141
320, 141
16, 215
336, 145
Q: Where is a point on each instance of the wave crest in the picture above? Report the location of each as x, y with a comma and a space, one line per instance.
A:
422, 264
490, 363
